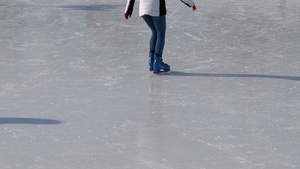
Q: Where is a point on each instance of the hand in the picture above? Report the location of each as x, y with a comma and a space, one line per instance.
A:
194, 8
127, 15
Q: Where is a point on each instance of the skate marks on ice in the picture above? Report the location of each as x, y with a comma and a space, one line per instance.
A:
179, 73
94, 7
38, 121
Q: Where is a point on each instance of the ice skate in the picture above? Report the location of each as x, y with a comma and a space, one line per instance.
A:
151, 60
159, 66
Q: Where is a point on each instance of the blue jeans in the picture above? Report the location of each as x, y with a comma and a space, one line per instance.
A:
158, 28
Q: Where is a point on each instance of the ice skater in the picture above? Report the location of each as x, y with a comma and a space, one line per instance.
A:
154, 13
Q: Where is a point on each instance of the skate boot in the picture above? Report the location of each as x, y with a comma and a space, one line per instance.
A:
151, 60
159, 66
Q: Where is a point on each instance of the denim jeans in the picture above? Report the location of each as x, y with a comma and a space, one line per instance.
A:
158, 28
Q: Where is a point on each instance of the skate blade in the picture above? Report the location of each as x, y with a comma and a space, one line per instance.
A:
162, 73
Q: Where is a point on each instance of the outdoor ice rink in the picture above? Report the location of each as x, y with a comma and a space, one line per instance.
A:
76, 92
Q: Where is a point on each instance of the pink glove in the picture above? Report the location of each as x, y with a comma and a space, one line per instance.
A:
127, 15
194, 8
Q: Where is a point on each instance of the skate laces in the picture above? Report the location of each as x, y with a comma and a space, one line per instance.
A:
163, 63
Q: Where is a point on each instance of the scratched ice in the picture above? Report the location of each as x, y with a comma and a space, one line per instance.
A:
75, 90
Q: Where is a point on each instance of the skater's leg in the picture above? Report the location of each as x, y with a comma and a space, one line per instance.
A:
159, 66
149, 21
160, 26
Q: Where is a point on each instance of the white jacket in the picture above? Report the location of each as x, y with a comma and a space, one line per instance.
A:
152, 7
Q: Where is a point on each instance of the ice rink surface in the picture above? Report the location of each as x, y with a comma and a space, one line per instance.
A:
76, 93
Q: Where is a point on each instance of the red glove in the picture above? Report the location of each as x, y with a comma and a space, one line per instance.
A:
194, 8
127, 15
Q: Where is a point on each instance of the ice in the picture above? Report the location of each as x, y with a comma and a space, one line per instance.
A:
75, 90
